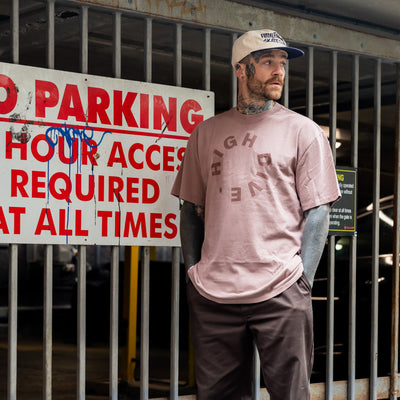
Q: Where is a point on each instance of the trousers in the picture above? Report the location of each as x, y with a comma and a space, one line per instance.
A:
223, 337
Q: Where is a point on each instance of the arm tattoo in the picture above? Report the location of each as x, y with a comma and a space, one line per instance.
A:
199, 211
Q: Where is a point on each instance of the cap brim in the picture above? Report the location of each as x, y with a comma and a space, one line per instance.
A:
291, 51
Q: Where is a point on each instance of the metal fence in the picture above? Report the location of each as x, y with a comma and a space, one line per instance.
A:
373, 388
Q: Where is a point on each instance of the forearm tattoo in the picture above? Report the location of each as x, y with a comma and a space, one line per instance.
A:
199, 211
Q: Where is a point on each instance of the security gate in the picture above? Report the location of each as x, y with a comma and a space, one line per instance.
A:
332, 86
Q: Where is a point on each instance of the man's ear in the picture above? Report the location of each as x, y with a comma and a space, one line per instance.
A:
239, 71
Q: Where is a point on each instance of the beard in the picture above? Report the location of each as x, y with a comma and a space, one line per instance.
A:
263, 91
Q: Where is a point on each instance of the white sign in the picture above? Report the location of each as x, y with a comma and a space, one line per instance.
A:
91, 160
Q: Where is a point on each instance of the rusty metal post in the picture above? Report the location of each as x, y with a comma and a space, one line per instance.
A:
394, 365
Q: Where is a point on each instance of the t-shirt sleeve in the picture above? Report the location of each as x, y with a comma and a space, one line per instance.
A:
316, 179
189, 184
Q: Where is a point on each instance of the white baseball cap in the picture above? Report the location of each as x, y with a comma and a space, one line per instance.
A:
262, 39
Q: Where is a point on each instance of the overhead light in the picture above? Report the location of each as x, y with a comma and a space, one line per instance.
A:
338, 144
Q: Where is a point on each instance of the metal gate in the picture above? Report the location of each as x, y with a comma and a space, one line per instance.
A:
363, 74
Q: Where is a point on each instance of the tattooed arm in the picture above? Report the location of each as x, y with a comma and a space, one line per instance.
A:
313, 241
192, 232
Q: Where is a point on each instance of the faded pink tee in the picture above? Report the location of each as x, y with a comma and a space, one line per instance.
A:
255, 175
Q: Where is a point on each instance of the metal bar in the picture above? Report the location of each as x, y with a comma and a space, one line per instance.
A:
174, 367
256, 374
15, 31
117, 45
285, 95
148, 47
233, 77
310, 83
50, 34
47, 321
144, 330
84, 23
178, 55
331, 240
12, 322
114, 296
394, 364
207, 59
375, 233
81, 323
353, 241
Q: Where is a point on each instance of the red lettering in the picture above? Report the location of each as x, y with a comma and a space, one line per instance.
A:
104, 215
169, 222
117, 155
19, 179
41, 226
124, 108
147, 184
46, 95
155, 225
117, 226
161, 110
35, 152
96, 108
115, 186
71, 104
17, 211
153, 148
131, 190
15, 145
63, 224
9, 103
78, 224
139, 226
167, 158
187, 107
131, 155
144, 111
64, 191
90, 188
100, 196
3, 222
73, 151
86, 153
37, 184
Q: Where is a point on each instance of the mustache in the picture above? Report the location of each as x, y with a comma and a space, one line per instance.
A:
276, 79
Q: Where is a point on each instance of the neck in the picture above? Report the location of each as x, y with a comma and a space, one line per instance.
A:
253, 107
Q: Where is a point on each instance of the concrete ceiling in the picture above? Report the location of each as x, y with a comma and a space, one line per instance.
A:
380, 17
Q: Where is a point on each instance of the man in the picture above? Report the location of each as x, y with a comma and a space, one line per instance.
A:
257, 182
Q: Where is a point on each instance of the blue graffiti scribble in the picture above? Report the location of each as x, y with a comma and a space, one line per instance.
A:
73, 139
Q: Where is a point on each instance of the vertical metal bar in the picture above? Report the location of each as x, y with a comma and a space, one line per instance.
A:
84, 23
285, 96
178, 55
81, 323
375, 234
256, 374
50, 34
47, 321
331, 240
207, 59
148, 48
117, 44
12, 322
394, 364
174, 367
15, 31
114, 296
233, 78
144, 330
310, 83
353, 241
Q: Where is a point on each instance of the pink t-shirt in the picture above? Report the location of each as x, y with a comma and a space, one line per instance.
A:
255, 175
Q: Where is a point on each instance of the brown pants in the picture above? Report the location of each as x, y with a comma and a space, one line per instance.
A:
223, 334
